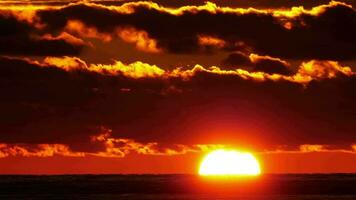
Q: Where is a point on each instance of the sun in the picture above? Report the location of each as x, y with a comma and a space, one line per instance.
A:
229, 162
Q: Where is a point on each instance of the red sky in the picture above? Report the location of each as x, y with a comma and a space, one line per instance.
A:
271, 163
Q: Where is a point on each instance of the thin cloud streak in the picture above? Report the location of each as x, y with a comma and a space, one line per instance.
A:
307, 72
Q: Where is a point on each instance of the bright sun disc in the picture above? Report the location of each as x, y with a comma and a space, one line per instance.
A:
229, 162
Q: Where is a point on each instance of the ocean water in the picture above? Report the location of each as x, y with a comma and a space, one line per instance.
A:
179, 187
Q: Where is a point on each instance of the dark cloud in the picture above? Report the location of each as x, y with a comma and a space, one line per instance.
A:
271, 67
256, 63
255, 3
43, 104
179, 3
237, 59
246, 4
49, 105
21, 38
327, 34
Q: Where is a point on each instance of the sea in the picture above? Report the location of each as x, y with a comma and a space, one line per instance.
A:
178, 187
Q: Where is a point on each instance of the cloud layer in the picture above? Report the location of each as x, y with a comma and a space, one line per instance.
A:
64, 100
282, 78
322, 32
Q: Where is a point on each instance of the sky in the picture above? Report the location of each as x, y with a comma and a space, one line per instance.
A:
152, 86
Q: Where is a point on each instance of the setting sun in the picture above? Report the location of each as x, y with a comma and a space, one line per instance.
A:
229, 162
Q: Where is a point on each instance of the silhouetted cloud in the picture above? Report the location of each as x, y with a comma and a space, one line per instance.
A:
65, 101
178, 3
323, 32
257, 63
21, 38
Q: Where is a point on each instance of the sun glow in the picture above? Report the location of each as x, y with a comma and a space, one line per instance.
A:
229, 162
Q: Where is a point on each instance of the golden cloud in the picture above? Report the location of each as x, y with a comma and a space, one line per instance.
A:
141, 39
205, 40
23, 13
27, 12
114, 147
312, 148
308, 71
120, 147
133, 70
315, 11
79, 28
322, 69
40, 150
65, 63
66, 37
254, 58
147, 40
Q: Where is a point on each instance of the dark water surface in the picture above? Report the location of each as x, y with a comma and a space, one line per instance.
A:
189, 187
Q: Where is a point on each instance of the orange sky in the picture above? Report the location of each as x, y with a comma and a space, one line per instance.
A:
270, 163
